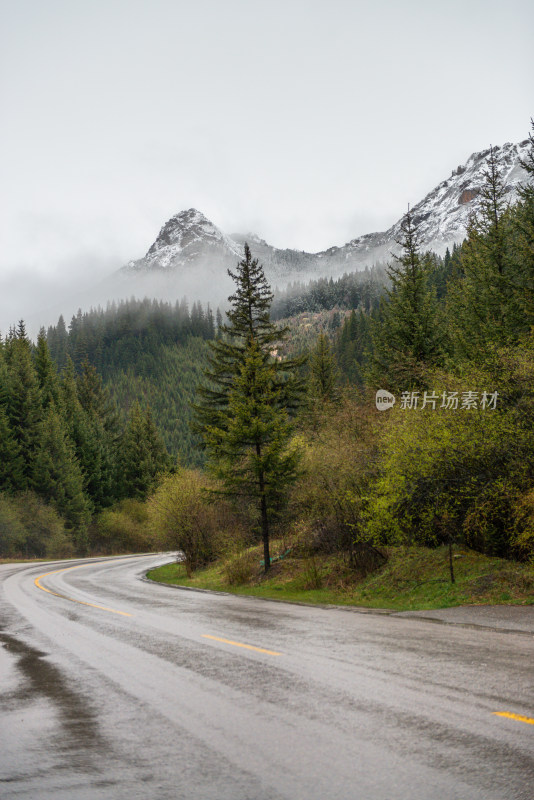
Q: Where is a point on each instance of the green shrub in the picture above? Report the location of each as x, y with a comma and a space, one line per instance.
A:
28, 526
338, 466
12, 531
184, 516
522, 537
456, 475
122, 529
240, 568
60, 545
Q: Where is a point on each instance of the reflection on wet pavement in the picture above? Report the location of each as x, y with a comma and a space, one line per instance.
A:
58, 728
97, 706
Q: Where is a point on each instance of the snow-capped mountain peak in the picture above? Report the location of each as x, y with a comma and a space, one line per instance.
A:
442, 216
185, 229
191, 249
186, 237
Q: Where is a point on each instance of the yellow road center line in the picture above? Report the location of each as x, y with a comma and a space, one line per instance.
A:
240, 644
37, 582
517, 717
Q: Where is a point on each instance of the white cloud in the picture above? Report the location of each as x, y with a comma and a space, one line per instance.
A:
308, 122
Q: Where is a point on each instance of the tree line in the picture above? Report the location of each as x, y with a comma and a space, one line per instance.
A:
453, 462
350, 291
65, 452
146, 351
449, 467
128, 333
296, 446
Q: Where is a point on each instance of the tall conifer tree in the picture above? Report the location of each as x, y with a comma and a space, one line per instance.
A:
143, 455
524, 229
46, 372
324, 372
244, 409
407, 339
24, 405
485, 305
58, 477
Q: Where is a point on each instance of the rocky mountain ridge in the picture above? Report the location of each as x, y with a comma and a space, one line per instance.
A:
190, 247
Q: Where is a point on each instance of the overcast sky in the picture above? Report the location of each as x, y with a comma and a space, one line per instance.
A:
307, 122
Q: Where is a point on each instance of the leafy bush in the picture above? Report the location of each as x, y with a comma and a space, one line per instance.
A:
339, 465
12, 531
456, 475
522, 538
122, 529
30, 528
60, 545
240, 568
183, 516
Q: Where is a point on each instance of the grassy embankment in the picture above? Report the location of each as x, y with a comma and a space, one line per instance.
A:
412, 579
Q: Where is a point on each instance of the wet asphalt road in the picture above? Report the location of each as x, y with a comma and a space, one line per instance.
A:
150, 703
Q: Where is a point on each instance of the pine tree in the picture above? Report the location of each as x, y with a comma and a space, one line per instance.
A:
143, 456
324, 372
406, 337
218, 322
353, 346
23, 401
94, 399
58, 340
486, 305
524, 229
11, 461
46, 372
210, 324
58, 477
93, 427
243, 413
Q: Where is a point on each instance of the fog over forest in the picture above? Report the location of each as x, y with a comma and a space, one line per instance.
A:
309, 146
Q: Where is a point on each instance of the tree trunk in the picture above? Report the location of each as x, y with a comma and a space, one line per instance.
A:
451, 567
264, 518
265, 533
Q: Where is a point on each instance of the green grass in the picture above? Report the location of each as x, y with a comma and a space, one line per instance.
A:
412, 579
25, 560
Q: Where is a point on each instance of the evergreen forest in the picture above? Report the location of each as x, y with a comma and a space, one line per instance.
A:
150, 425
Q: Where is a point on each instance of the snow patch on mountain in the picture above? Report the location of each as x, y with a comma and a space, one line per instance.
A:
193, 255
441, 218
186, 237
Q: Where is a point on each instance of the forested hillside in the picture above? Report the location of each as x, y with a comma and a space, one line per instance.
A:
450, 462
155, 352
65, 455
355, 290
149, 352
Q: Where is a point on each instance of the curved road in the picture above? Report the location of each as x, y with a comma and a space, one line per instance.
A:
117, 688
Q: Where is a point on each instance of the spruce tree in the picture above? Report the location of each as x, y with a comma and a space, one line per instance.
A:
143, 456
58, 341
243, 411
11, 461
58, 477
524, 230
486, 304
323, 371
96, 432
406, 337
95, 399
46, 372
23, 402
94, 444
